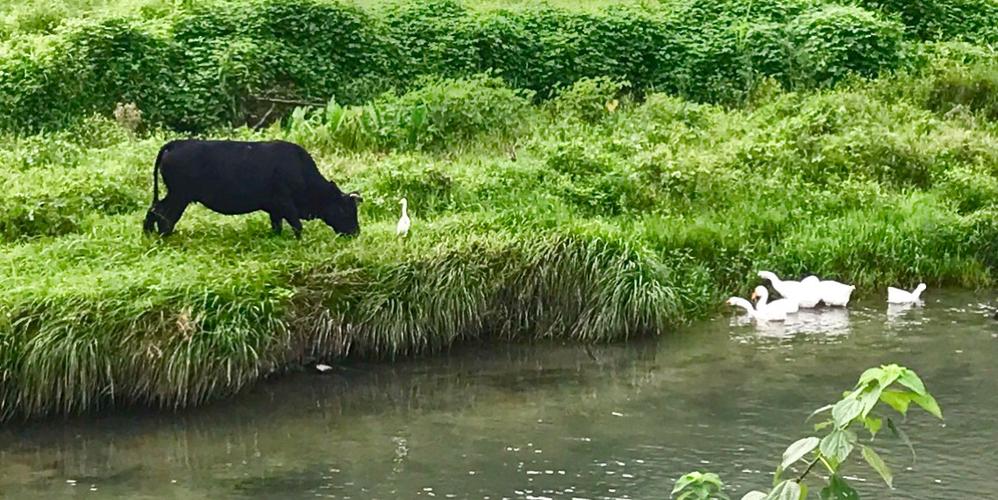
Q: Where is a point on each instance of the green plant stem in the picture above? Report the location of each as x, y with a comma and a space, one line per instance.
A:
808, 469
827, 465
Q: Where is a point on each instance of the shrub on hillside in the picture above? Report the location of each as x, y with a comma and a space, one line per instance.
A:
429, 189
594, 180
832, 41
589, 99
975, 20
545, 49
35, 207
219, 64
971, 189
459, 109
665, 109
974, 88
433, 37
439, 112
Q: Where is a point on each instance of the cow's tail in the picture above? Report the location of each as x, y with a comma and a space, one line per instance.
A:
155, 174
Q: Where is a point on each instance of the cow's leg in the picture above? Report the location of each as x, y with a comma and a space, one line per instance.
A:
292, 219
155, 217
150, 223
275, 221
169, 212
289, 213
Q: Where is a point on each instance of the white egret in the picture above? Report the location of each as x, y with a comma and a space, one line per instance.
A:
402, 228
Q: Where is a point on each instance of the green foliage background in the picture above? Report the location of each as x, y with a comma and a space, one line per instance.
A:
590, 173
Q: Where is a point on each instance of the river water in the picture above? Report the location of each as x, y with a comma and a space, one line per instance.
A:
550, 420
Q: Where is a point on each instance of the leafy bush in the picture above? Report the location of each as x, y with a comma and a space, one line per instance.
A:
944, 19
35, 204
429, 189
589, 99
971, 189
833, 41
974, 88
440, 112
224, 63
457, 110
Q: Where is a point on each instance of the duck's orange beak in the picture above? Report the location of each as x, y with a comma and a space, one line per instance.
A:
753, 296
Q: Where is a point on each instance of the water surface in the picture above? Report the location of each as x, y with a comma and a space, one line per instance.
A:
550, 421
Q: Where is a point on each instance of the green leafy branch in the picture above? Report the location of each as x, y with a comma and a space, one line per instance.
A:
895, 386
699, 486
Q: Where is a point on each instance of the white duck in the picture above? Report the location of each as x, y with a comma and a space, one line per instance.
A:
759, 316
899, 296
811, 292
834, 293
805, 292
788, 306
402, 228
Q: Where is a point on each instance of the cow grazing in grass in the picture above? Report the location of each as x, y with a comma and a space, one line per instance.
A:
233, 177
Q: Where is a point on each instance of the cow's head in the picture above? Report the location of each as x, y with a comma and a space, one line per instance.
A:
340, 212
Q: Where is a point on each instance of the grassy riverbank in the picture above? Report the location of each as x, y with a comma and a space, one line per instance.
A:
589, 213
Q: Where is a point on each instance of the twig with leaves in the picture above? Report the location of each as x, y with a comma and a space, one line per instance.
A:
893, 385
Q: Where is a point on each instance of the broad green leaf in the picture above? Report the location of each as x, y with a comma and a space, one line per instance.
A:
838, 489
684, 481
889, 375
787, 490
869, 398
899, 400
819, 410
928, 403
878, 465
845, 411
873, 424
910, 380
838, 444
903, 436
868, 376
821, 425
796, 451
699, 485
712, 478
754, 495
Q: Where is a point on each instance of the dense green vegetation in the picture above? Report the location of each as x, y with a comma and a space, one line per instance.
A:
587, 187
223, 62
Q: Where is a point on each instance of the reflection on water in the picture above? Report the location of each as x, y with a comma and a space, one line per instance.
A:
548, 421
828, 321
903, 314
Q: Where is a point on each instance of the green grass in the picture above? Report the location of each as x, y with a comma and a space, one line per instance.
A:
594, 212
605, 225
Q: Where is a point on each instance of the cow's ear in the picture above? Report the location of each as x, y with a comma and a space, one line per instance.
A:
357, 197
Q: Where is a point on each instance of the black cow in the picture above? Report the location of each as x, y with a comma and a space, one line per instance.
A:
232, 177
